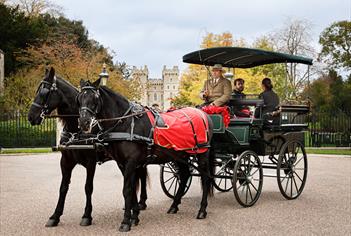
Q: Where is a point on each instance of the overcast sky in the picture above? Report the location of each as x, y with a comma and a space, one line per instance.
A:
160, 32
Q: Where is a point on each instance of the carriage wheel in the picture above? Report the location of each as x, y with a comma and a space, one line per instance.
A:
224, 173
292, 169
247, 178
169, 178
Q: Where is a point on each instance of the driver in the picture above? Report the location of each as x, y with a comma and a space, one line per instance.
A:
217, 90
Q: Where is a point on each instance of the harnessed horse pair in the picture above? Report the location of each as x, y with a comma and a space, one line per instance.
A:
56, 93
130, 143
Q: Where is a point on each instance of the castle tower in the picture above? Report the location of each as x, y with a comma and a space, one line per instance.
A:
170, 85
142, 76
157, 91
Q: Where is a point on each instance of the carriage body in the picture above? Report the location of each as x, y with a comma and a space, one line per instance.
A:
248, 145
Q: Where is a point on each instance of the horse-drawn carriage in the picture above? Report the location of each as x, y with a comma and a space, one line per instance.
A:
125, 132
248, 145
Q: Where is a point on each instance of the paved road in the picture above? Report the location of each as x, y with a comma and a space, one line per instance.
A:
29, 189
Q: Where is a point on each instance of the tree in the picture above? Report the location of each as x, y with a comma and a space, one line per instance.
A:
336, 45
330, 93
34, 8
17, 31
70, 62
294, 38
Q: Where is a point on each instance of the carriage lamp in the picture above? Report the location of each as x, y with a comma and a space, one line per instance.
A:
103, 75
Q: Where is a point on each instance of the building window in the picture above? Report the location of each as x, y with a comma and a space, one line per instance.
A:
173, 87
167, 86
161, 97
170, 95
171, 79
155, 97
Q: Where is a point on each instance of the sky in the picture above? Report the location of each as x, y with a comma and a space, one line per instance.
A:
160, 32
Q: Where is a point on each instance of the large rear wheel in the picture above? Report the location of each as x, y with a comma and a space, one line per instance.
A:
247, 178
292, 169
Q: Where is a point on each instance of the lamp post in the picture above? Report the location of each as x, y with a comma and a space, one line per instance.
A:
103, 75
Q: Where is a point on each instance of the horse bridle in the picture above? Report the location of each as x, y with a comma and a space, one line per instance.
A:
45, 106
97, 94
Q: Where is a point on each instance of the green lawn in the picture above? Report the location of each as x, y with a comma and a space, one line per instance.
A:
25, 150
329, 151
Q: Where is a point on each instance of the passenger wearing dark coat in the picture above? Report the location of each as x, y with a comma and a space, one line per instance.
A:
270, 98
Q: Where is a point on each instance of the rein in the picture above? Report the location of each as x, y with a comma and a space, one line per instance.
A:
122, 117
59, 116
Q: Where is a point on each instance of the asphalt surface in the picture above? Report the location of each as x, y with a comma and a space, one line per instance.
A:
29, 190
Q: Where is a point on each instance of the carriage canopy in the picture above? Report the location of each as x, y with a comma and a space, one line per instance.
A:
236, 57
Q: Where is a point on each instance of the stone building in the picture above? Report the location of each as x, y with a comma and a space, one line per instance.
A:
2, 72
158, 91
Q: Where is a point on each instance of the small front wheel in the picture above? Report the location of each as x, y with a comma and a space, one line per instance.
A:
247, 179
170, 181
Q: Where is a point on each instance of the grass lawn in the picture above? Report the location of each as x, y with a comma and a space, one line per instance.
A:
329, 151
25, 150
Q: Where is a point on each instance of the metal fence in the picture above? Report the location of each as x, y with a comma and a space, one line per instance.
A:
16, 131
327, 129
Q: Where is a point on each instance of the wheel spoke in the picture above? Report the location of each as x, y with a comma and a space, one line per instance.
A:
286, 186
255, 171
166, 171
250, 192
169, 179
220, 181
291, 193
298, 176
171, 185
175, 188
297, 189
300, 169
284, 177
298, 161
254, 187
247, 189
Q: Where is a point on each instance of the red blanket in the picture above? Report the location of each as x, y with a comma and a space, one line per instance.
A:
179, 134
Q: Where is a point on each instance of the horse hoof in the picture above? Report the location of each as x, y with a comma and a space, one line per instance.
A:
172, 210
142, 206
201, 215
124, 228
52, 223
135, 221
85, 221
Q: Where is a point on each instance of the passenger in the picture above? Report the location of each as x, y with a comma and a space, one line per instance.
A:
270, 98
240, 111
217, 90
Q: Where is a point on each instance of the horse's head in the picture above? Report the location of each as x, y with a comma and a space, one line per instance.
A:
46, 100
90, 103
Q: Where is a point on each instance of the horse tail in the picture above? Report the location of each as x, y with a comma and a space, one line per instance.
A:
211, 157
212, 172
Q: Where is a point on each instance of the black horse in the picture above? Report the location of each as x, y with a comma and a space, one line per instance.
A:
55, 93
97, 102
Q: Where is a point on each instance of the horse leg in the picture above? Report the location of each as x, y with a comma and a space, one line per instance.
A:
142, 173
67, 166
86, 218
135, 206
204, 165
128, 190
184, 175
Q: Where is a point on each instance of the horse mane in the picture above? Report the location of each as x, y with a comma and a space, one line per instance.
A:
67, 120
115, 95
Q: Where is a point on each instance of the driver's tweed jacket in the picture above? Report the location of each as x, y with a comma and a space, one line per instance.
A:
219, 93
